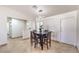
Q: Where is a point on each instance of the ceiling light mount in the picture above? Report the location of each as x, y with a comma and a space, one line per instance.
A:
40, 10
35, 7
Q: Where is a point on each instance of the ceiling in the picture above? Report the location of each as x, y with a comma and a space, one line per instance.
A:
48, 10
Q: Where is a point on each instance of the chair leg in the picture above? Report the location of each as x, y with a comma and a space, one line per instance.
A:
36, 42
47, 43
41, 46
47, 46
31, 42
50, 43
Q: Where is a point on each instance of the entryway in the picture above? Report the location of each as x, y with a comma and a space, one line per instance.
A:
15, 27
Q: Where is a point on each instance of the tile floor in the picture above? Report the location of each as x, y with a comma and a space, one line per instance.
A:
20, 45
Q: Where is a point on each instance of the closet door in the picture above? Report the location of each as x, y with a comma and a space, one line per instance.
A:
53, 24
68, 30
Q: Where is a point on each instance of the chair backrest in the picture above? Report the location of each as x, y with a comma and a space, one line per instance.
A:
46, 35
49, 35
45, 30
32, 34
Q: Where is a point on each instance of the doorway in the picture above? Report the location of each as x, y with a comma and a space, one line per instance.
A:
15, 27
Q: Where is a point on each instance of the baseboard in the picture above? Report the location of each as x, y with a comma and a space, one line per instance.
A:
26, 38
63, 43
16, 37
55, 41
3, 44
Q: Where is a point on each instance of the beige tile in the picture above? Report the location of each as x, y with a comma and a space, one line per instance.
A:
19, 45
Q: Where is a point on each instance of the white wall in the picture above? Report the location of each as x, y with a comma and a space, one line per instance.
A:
4, 13
3, 31
30, 25
78, 30
7, 27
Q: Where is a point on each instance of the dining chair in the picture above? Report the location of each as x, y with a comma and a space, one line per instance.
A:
34, 38
47, 39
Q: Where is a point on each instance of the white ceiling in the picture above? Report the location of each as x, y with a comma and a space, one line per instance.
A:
48, 10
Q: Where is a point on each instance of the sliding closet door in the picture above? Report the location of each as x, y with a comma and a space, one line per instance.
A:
68, 30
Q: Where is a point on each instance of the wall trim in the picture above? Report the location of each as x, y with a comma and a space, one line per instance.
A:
63, 43
3, 45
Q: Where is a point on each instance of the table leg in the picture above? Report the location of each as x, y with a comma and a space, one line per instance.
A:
41, 41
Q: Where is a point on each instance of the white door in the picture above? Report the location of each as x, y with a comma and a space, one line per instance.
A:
54, 26
68, 30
